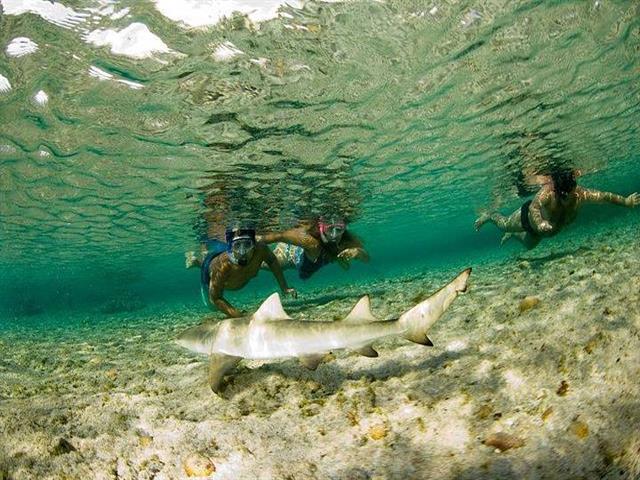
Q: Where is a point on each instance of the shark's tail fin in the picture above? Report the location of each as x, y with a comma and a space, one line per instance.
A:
417, 321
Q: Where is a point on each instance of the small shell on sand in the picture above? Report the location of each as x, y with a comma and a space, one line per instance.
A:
546, 414
503, 441
483, 412
562, 389
378, 431
145, 440
579, 428
197, 465
527, 303
63, 446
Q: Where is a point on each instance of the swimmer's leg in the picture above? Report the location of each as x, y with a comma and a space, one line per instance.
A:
506, 224
281, 254
191, 261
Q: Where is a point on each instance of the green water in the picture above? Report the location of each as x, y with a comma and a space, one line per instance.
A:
407, 117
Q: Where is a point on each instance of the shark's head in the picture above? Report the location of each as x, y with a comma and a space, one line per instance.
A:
200, 338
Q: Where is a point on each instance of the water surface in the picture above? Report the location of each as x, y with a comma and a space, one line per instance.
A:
123, 124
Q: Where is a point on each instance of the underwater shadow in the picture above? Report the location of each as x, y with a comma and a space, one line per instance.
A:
291, 371
323, 299
537, 262
402, 460
618, 460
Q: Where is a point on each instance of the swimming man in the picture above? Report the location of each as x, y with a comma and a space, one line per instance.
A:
231, 266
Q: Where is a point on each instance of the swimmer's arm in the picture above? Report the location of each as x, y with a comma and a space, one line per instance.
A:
216, 289
586, 195
294, 236
353, 248
276, 269
535, 212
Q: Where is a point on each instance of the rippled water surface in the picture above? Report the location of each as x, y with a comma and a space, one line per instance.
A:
124, 123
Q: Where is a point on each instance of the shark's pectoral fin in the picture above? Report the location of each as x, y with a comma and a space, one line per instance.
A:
367, 351
311, 361
219, 366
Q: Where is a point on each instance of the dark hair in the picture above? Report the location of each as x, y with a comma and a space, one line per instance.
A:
564, 182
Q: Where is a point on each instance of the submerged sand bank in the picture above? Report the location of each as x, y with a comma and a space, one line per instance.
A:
555, 382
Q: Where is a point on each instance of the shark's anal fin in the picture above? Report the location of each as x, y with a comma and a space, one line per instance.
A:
420, 339
367, 351
311, 361
219, 366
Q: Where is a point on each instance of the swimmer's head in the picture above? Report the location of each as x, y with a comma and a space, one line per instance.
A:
331, 229
241, 244
564, 183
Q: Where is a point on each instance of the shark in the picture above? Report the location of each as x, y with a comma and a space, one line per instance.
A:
271, 334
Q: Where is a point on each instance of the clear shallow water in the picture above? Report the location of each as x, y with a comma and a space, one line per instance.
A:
405, 116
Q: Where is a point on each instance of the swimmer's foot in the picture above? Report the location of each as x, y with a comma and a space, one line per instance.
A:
482, 219
190, 260
505, 238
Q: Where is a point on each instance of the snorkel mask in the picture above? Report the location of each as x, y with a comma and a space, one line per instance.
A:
241, 244
331, 231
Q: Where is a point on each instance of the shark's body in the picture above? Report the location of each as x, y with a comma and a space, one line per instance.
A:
271, 334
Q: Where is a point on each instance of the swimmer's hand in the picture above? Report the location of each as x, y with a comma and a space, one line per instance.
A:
291, 292
349, 253
632, 200
545, 226
190, 260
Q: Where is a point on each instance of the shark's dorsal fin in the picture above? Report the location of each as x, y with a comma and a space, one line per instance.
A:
271, 310
361, 312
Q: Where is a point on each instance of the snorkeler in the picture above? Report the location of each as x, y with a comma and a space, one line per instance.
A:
554, 206
312, 245
232, 265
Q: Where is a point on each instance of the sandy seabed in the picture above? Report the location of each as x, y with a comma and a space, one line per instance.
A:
545, 388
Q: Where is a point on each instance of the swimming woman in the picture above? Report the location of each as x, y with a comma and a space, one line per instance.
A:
553, 207
314, 244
